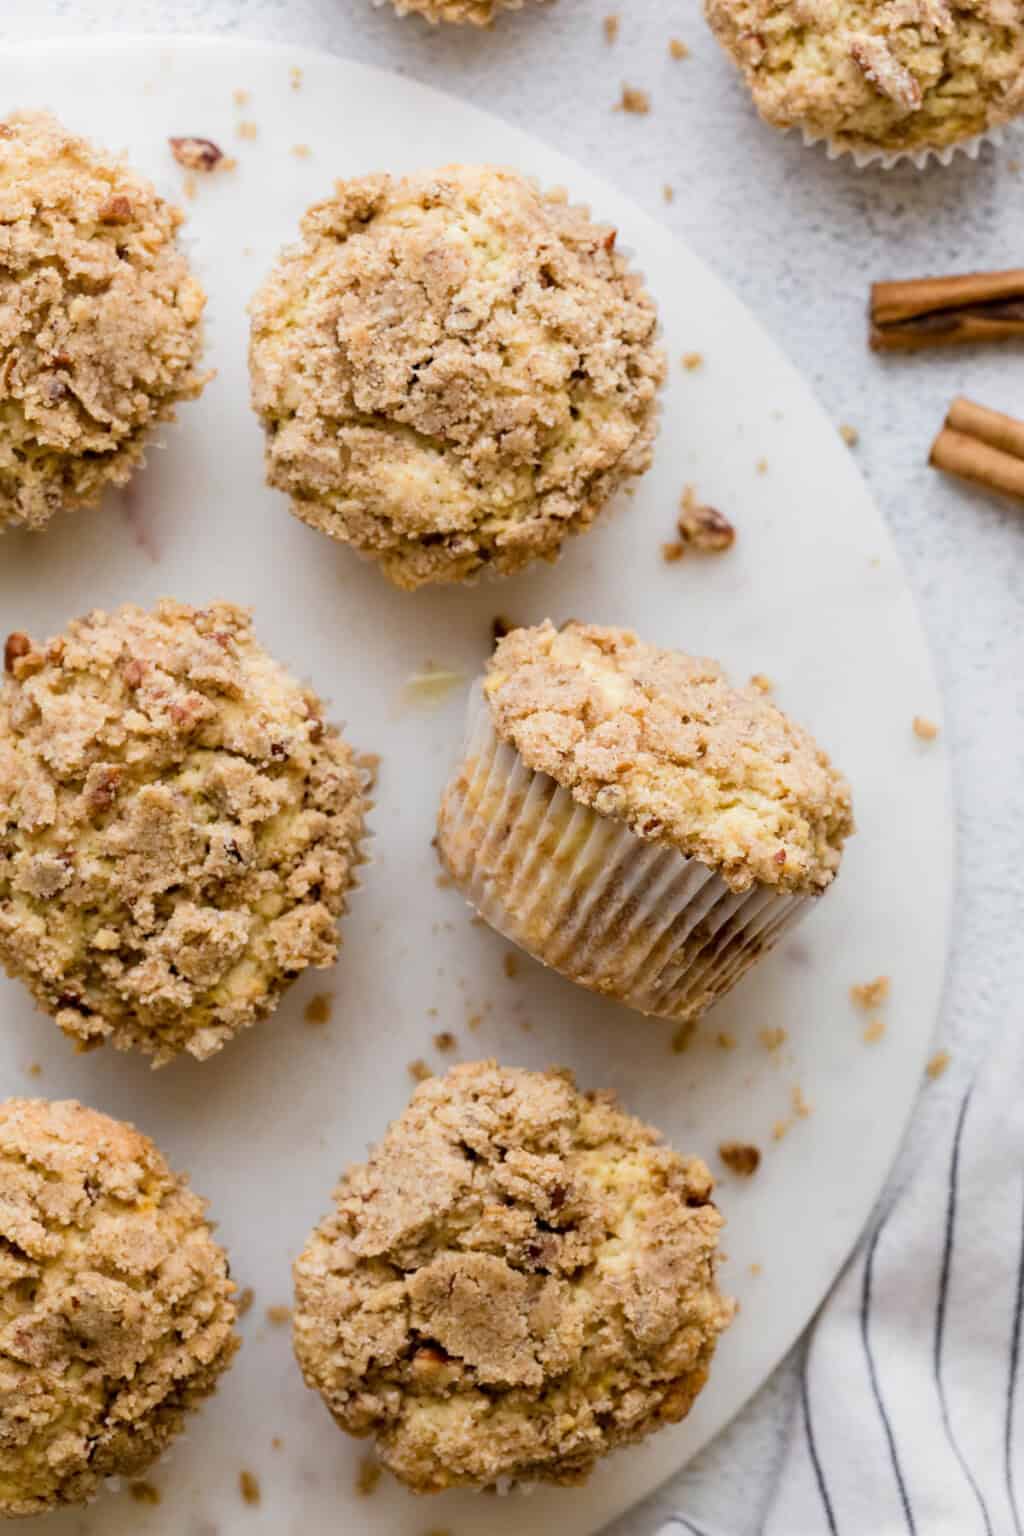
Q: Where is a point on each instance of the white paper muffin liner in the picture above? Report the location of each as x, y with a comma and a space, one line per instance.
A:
580, 892
886, 159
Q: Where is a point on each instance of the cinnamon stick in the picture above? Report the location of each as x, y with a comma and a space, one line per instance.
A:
936, 311
982, 446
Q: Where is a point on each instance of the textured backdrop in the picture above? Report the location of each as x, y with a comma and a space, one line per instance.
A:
800, 239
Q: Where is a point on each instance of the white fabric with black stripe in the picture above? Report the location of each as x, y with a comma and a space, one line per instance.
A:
911, 1420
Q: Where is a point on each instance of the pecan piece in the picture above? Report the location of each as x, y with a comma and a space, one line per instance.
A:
885, 72
196, 154
116, 210
17, 645
702, 527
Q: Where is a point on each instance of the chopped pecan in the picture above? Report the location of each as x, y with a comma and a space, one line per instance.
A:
17, 645
702, 527
885, 72
117, 210
196, 154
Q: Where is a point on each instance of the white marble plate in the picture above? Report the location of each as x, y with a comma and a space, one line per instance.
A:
812, 595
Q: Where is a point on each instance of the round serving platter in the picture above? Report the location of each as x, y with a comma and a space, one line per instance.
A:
811, 595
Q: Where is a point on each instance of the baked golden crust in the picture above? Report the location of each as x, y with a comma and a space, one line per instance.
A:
662, 742
453, 371
478, 13
179, 829
521, 1278
116, 1311
897, 75
100, 320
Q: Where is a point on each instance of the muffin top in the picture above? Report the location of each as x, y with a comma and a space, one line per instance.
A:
480, 13
662, 742
116, 1310
100, 319
178, 827
521, 1278
879, 74
454, 371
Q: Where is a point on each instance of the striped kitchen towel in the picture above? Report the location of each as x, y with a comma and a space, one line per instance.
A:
910, 1420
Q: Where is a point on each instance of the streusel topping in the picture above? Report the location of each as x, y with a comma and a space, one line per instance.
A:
902, 74
179, 828
454, 371
520, 1278
662, 741
116, 1310
100, 319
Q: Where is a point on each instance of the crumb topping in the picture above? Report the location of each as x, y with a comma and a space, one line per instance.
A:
896, 75
661, 741
179, 828
116, 1311
476, 13
454, 371
521, 1278
100, 319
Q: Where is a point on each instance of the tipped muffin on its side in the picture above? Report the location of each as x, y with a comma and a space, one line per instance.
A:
117, 1314
634, 821
454, 371
179, 828
882, 79
100, 320
520, 1279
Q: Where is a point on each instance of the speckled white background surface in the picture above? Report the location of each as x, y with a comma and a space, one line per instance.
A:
800, 239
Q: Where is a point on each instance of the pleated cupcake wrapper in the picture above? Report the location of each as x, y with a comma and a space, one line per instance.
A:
579, 891
886, 159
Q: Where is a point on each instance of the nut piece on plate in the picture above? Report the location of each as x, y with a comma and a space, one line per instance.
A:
100, 320
881, 79
116, 1311
454, 371
632, 820
520, 1279
179, 828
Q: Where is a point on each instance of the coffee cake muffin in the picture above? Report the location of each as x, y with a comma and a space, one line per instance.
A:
478, 13
100, 320
454, 371
116, 1311
630, 819
179, 828
879, 79
520, 1279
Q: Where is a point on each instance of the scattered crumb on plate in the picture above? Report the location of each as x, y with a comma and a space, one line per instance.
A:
926, 729
683, 1035
779, 1129
755, 1269
611, 27
692, 361
369, 1475
195, 154
849, 435
762, 682
725, 1040
938, 1064
874, 1029
668, 192
445, 1041
800, 1104
240, 98
249, 1486
510, 964
247, 129
418, 1070
278, 1316
762, 466
633, 100
301, 151
144, 1493
677, 48
670, 553
245, 1301
740, 1157
870, 994
318, 1009
701, 527
771, 1039
295, 77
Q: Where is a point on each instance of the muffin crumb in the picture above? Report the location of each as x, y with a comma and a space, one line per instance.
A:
510, 961
195, 154
668, 193
772, 1039
610, 27
677, 48
692, 361
740, 1157
938, 1064
762, 682
249, 1486
245, 1300
701, 527
682, 1037
369, 1475
924, 728
633, 100
279, 1316
849, 435
445, 1041
870, 995
418, 1069
318, 1010
144, 1493
248, 130
874, 1029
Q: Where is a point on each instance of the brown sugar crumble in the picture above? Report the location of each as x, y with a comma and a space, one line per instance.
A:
692, 361
369, 1475
318, 1010
772, 1039
740, 1157
510, 964
249, 1486
703, 528
144, 1493
247, 130
194, 154
924, 728
279, 1316
445, 1041
245, 1301
849, 435
870, 994
668, 193
673, 552
677, 48
761, 682
611, 27
938, 1064
633, 100
418, 1069
874, 1029
276, 1443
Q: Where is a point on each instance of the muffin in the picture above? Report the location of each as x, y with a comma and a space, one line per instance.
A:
100, 320
880, 79
454, 371
480, 13
179, 828
630, 819
116, 1311
520, 1279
